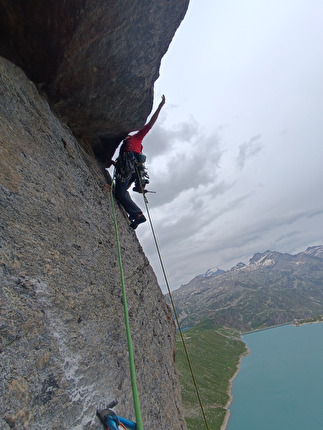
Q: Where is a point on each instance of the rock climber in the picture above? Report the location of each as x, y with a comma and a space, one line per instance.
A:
129, 169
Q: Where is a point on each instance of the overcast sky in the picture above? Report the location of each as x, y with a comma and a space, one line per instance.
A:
236, 157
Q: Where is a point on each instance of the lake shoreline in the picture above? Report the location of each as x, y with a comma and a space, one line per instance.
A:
229, 391
230, 382
295, 323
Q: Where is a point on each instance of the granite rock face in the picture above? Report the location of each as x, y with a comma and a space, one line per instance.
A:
63, 343
96, 61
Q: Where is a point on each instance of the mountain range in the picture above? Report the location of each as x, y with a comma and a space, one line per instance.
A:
273, 288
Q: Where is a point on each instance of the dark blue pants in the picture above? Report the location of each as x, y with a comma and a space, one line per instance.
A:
123, 196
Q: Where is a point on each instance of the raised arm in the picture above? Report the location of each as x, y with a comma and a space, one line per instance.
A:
153, 119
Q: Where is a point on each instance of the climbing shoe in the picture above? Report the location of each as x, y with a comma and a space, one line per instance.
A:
138, 220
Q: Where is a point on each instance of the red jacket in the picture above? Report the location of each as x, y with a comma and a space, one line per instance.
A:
133, 143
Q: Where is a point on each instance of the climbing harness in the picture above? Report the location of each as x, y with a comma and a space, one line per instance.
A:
129, 163
126, 316
142, 175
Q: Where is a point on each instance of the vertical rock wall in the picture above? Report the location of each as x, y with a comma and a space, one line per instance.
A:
63, 344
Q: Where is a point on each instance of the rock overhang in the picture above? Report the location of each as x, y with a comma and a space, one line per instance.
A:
96, 61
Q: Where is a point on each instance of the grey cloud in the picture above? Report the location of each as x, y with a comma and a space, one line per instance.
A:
258, 231
156, 142
190, 226
249, 149
160, 140
285, 237
196, 165
315, 213
228, 207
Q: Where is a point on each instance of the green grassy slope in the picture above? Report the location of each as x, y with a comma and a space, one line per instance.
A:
215, 355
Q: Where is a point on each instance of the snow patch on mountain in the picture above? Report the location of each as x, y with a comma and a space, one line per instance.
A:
211, 273
316, 251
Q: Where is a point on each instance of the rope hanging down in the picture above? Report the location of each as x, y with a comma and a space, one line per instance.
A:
174, 310
126, 316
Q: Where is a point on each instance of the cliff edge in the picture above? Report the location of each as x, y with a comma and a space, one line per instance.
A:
63, 343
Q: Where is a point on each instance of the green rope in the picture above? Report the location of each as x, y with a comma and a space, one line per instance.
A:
174, 309
126, 317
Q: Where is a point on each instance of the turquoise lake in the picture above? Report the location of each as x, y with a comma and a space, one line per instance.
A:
280, 383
